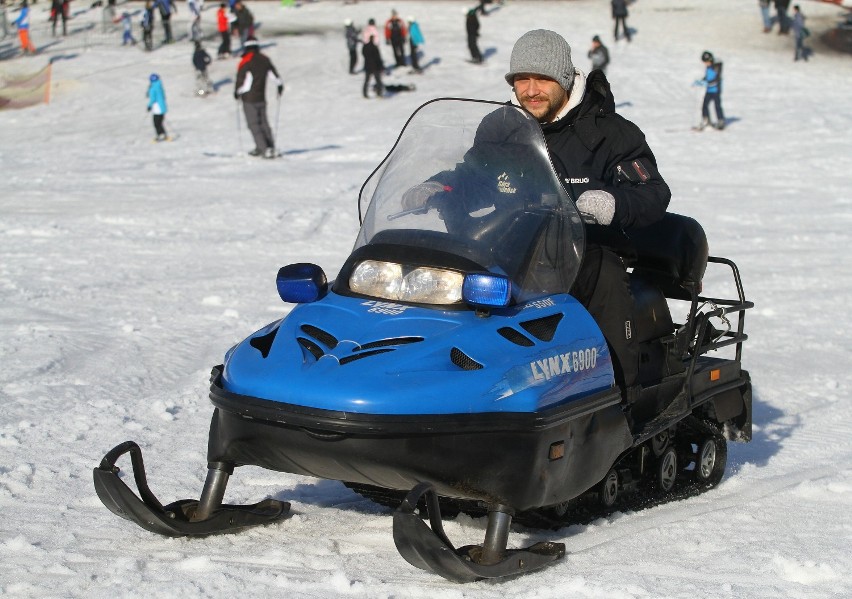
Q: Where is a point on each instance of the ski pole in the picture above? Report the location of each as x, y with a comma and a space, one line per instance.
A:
277, 116
239, 133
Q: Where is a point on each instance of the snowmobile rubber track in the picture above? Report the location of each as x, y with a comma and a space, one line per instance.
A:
429, 548
174, 519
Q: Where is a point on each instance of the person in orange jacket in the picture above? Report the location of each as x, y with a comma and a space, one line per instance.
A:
223, 25
396, 33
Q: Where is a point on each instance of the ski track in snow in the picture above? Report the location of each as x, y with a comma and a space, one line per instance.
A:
128, 268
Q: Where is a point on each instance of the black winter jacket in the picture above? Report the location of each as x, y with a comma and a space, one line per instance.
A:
592, 147
253, 70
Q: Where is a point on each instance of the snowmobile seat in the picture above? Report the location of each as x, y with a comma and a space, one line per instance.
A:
672, 254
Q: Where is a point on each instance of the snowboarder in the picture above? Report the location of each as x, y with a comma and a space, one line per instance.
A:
148, 25
352, 39
415, 39
23, 25
200, 60
599, 54
223, 24
395, 34
619, 13
157, 106
373, 67
713, 93
253, 71
472, 26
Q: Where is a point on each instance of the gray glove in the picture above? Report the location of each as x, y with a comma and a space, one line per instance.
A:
598, 204
417, 196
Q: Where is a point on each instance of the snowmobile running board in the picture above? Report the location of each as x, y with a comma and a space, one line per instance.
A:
429, 548
186, 517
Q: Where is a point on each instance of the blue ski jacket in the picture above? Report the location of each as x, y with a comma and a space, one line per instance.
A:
23, 20
415, 34
157, 98
712, 79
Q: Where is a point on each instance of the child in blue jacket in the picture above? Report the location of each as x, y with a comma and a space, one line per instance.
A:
713, 94
157, 106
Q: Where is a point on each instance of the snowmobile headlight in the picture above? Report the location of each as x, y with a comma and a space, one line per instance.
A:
393, 281
487, 290
301, 283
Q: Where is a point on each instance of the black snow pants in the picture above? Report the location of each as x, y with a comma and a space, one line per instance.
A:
603, 287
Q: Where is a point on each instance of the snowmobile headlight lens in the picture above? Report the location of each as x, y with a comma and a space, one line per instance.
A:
393, 281
301, 283
487, 290
377, 279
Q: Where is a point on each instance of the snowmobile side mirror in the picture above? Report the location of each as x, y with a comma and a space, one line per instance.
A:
486, 290
301, 283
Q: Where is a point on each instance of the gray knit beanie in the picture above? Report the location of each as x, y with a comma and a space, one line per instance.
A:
542, 52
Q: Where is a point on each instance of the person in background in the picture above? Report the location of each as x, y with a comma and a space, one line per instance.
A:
781, 7
395, 34
415, 40
619, 13
167, 8
472, 26
157, 106
245, 23
370, 31
764, 14
800, 32
712, 81
352, 39
127, 30
373, 67
23, 25
252, 73
599, 54
223, 25
200, 60
148, 25
59, 10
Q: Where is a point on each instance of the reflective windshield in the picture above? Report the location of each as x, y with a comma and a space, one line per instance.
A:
474, 179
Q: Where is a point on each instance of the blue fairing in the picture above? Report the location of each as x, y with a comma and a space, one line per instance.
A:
385, 358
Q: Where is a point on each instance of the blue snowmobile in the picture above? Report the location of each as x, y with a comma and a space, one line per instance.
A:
448, 369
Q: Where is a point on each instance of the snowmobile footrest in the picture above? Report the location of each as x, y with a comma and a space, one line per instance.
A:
429, 548
175, 519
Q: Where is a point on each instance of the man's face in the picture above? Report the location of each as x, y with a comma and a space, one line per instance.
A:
541, 96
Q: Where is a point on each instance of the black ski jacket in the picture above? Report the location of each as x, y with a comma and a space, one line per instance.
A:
592, 147
251, 77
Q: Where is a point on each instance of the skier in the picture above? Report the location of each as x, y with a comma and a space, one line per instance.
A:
157, 106
244, 21
148, 25
395, 34
200, 60
127, 30
713, 94
800, 32
619, 13
352, 39
373, 67
223, 24
252, 73
167, 9
599, 54
23, 25
415, 39
605, 165
59, 10
472, 26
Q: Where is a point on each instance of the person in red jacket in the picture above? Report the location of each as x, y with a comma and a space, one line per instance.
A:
396, 33
223, 25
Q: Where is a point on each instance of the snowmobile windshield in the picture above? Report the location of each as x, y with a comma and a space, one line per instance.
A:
473, 179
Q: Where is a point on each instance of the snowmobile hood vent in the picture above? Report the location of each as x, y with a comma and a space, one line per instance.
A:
263, 343
464, 361
365, 350
323, 337
543, 328
515, 337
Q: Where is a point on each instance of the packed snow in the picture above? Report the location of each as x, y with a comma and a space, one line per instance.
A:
128, 268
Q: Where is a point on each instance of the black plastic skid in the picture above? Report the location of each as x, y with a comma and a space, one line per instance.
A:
175, 519
429, 548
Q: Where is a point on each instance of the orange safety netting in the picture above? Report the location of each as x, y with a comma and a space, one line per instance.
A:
23, 90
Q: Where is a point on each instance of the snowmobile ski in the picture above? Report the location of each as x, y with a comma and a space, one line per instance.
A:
429, 548
180, 518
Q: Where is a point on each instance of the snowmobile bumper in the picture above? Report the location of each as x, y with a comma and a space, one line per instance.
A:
429, 548
180, 518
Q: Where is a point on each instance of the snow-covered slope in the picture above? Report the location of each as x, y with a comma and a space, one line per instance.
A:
127, 268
